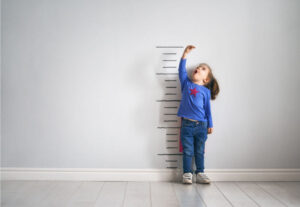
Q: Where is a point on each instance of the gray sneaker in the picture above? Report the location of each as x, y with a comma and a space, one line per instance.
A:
202, 178
187, 178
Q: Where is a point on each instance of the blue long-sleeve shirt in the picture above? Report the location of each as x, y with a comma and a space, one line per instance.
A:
195, 99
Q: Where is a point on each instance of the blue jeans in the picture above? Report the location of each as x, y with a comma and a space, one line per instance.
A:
193, 136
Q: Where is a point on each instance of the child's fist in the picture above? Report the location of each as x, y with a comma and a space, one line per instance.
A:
209, 130
189, 48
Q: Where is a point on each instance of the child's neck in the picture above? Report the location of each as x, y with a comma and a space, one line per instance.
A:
199, 83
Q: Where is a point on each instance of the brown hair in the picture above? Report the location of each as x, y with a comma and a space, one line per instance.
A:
212, 84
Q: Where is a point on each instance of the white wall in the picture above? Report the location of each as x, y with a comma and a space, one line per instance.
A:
79, 87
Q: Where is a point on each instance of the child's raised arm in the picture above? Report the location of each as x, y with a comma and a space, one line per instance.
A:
182, 65
182, 71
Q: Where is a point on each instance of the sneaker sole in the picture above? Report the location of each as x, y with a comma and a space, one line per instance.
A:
187, 182
203, 182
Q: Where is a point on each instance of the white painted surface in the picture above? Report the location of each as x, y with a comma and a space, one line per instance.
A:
79, 84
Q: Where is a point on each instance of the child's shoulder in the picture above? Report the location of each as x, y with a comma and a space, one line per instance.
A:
207, 90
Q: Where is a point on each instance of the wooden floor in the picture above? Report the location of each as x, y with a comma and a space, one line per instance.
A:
143, 194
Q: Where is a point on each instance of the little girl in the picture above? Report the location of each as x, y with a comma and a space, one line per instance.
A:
195, 113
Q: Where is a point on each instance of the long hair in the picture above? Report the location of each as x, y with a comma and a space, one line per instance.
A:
212, 84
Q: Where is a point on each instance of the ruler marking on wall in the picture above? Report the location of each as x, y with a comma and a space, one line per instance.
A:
169, 67
168, 100
168, 127
168, 77
169, 53
166, 73
169, 46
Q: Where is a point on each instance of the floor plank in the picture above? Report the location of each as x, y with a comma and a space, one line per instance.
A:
22, 193
259, 195
187, 195
60, 194
112, 194
211, 195
15, 185
137, 194
235, 195
285, 192
163, 195
86, 195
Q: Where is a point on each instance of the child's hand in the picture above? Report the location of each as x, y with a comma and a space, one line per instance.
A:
209, 130
187, 50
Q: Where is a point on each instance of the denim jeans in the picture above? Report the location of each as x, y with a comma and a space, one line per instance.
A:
193, 136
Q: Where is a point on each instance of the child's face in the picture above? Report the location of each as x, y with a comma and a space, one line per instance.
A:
200, 73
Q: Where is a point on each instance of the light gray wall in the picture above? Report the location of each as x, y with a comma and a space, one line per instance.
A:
79, 87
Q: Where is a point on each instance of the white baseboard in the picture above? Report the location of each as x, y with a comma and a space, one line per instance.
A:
114, 174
